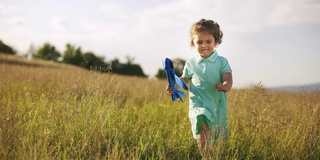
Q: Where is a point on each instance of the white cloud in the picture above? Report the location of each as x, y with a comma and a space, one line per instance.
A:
15, 21
115, 11
58, 24
288, 12
8, 9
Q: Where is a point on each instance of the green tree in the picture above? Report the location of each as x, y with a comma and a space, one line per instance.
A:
135, 70
161, 74
72, 55
129, 68
47, 52
91, 61
4, 48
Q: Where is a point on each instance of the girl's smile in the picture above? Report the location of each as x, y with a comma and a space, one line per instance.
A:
204, 43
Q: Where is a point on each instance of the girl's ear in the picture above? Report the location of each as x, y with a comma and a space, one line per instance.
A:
215, 44
191, 43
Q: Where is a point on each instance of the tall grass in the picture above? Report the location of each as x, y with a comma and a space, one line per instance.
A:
55, 111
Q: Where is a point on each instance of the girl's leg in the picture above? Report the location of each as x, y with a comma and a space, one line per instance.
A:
203, 137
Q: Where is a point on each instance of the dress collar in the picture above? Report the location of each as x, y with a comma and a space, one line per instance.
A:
211, 59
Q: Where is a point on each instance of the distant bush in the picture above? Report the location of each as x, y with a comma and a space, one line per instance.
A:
4, 48
47, 52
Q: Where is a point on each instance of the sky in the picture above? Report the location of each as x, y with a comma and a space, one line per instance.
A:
272, 42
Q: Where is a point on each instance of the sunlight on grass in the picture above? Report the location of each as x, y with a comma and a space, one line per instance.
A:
55, 111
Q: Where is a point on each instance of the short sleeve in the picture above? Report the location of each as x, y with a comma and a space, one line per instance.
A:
186, 71
225, 67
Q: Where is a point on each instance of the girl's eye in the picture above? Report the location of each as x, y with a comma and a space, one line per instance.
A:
208, 42
199, 42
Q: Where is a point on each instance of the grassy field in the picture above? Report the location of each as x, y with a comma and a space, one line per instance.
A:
56, 111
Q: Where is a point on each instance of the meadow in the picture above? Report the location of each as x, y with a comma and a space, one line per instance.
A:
57, 111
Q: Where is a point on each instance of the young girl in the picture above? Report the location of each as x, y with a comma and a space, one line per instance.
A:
210, 78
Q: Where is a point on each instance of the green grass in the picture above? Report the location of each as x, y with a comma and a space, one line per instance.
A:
56, 111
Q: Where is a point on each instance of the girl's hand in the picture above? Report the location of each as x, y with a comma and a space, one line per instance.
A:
227, 82
221, 87
169, 89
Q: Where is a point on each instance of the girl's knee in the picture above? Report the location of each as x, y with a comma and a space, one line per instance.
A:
203, 137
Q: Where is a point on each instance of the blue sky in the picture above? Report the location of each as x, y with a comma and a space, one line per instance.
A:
275, 42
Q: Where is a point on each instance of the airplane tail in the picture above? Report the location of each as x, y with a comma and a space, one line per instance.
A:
178, 95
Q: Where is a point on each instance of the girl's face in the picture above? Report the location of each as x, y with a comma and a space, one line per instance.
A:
204, 43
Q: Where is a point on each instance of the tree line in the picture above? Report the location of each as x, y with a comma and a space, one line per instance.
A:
75, 56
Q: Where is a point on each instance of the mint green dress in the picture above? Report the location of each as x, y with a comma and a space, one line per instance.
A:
204, 98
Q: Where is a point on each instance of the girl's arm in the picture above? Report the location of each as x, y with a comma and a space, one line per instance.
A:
227, 82
169, 90
184, 79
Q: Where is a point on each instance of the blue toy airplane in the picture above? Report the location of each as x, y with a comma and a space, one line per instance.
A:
172, 79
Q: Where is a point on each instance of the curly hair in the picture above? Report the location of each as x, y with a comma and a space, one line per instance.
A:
208, 26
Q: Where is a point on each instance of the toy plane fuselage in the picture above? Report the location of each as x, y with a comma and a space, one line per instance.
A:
173, 79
